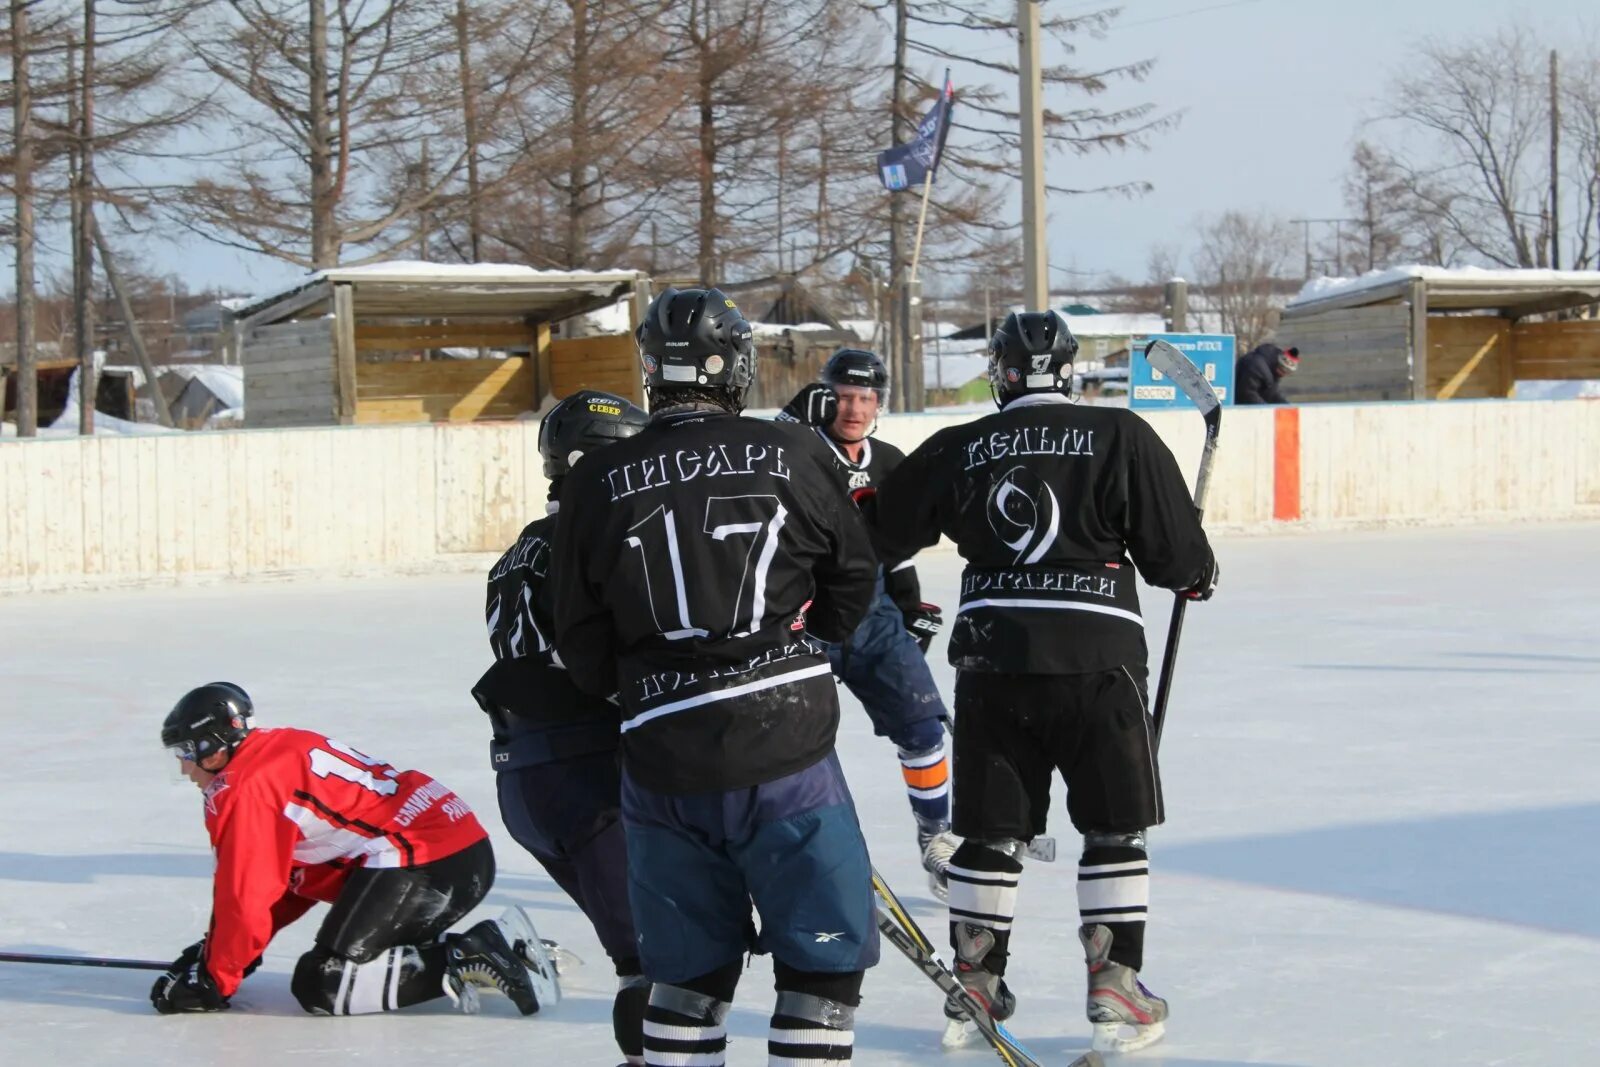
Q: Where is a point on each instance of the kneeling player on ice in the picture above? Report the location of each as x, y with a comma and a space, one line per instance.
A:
698, 568
555, 747
1046, 501
296, 818
883, 662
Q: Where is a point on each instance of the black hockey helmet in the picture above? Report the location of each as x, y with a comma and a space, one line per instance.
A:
697, 338
858, 366
213, 718
1031, 352
584, 421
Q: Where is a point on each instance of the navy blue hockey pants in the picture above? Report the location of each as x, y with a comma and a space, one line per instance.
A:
881, 664
792, 847
566, 814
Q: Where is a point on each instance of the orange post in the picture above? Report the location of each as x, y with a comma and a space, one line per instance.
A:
1286, 465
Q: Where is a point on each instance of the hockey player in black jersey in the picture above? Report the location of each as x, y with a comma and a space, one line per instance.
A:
883, 663
555, 747
699, 569
1051, 504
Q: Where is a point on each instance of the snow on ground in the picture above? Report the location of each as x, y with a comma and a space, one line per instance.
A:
1380, 774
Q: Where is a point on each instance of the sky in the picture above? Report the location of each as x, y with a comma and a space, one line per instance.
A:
1273, 94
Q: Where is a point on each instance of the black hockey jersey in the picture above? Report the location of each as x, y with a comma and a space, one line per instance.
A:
1045, 500
698, 567
878, 461
538, 714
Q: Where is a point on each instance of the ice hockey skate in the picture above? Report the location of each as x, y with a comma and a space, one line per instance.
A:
505, 955
938, 846
987, 988
1126, 1016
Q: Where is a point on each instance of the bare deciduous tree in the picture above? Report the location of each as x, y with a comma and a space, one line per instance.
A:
1461, 173
1580, 126
330, 117
1237, 259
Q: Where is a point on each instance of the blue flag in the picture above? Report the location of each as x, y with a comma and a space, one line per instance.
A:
915, 162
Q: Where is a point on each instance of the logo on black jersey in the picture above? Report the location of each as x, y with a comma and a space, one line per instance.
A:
1024, 514
860, 479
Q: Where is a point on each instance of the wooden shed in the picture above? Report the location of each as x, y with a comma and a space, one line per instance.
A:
1434, 333
431, 342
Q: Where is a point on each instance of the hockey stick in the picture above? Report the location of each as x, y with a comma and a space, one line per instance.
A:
1186, 376
85, 961
902, 931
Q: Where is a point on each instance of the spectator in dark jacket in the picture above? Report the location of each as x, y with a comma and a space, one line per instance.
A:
1256, 376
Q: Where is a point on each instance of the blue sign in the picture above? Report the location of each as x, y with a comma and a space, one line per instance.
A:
1211, 352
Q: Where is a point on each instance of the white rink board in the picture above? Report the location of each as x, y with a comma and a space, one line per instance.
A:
383, 500
1380, 769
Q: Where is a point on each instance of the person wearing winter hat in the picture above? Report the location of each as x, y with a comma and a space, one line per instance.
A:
1258, 371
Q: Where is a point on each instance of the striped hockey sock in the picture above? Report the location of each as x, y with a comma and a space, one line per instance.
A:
809, 1030
1114, 891
683, 1028
396, 978
927, 775
983, 892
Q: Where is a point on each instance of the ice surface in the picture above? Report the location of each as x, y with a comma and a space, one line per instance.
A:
1380, 770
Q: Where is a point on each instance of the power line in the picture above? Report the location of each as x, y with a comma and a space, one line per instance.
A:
1186, 14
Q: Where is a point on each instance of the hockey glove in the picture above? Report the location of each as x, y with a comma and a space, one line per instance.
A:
814, 405
193, 954
1206, 584
923, 621
190, 990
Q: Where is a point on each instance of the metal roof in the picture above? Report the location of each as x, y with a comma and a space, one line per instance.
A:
445, 290
1512, 293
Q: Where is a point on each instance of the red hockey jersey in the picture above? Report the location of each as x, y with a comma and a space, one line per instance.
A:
292, 814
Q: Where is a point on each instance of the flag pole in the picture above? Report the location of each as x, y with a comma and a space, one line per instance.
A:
927, 182
922, 218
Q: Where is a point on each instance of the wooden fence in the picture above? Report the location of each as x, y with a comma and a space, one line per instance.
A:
105, 511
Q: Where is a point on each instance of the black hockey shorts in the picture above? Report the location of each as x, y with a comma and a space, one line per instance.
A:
380, 908
1013, 731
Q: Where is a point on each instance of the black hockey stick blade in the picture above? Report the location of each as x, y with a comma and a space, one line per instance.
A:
84, 961
902, 931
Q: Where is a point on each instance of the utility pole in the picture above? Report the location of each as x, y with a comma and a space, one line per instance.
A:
130, 321
900, 344
1555, 166
469, 115
22, 163
424, 214
1305, 226
1338, 240
82, 245
1030, 99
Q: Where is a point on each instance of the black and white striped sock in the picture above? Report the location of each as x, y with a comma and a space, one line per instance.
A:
1114, 891
983, 892
809, 1030
683, 1028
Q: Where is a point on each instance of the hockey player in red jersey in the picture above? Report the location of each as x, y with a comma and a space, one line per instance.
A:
296, 818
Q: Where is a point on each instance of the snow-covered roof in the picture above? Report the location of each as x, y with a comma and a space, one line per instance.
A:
399, 287
778, 329
1114, 324
865, 329
1454, 287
